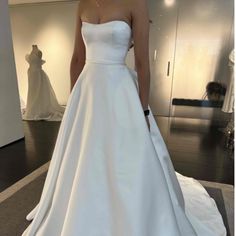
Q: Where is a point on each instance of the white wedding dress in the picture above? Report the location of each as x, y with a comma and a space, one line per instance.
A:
228, 105
42, 102
110, 176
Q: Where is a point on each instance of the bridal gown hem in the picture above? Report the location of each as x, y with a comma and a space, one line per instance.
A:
110, 176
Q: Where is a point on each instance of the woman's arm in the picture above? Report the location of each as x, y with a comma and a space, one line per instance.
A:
140, 26
78, 57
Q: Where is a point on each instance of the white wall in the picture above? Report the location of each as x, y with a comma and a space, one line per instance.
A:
52, 27
11, 128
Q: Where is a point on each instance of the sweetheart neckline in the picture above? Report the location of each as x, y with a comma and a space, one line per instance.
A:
108, 22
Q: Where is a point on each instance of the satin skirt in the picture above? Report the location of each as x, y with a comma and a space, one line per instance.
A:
110, 176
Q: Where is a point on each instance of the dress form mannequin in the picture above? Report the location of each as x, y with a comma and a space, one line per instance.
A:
228, 105
42, 103
229, 96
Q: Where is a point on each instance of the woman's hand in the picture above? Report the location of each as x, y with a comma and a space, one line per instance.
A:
147, 120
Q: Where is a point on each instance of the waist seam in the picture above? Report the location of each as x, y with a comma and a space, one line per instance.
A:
105, 62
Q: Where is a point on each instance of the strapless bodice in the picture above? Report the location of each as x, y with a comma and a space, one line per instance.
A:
34, 60
106, 43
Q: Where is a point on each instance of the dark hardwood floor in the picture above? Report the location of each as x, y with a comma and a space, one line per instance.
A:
196, 148
20, 158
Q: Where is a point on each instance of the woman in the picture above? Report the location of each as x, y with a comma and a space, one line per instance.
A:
110, 173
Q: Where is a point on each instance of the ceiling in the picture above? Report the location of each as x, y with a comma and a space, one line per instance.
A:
15, 2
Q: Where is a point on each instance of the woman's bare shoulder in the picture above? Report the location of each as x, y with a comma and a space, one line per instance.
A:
82, 5
136, 5
81, 2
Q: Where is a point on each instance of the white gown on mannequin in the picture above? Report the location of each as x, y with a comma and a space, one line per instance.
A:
110, 176
22, 105
228, 104
41, 99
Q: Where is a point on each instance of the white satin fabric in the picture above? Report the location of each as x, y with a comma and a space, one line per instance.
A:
228, 105
42, 102
110, 176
